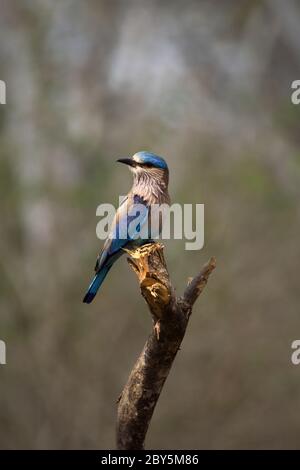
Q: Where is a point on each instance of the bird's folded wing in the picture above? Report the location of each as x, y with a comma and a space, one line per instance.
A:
129, 222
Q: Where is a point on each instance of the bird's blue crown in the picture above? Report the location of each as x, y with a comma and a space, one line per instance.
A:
150, 158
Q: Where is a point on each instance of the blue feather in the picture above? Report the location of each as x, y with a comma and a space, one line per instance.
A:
95, 284
113, 248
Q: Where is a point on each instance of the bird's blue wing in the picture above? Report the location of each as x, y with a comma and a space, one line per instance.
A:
124, 230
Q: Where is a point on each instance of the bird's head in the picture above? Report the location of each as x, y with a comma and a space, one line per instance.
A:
142, 163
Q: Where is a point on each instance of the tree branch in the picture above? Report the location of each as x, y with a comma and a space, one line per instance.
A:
170, 316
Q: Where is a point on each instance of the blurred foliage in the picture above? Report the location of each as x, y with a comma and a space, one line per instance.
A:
206, 84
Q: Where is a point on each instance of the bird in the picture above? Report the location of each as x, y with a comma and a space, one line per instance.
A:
150, 187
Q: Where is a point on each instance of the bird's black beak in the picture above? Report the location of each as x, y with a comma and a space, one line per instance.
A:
127, 161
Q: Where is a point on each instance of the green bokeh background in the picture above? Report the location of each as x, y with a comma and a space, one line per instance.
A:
207, 85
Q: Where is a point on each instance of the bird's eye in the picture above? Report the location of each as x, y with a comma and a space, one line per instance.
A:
147, 165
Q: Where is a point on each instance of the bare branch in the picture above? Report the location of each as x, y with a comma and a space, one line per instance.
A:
196, 286
170, 316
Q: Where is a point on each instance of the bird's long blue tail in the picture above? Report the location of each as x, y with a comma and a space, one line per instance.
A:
95, 284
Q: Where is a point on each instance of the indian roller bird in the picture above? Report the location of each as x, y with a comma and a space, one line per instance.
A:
150, 186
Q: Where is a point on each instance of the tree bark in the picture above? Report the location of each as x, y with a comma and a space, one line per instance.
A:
170, 317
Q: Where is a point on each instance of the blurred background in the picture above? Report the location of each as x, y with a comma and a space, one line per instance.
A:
207, 85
